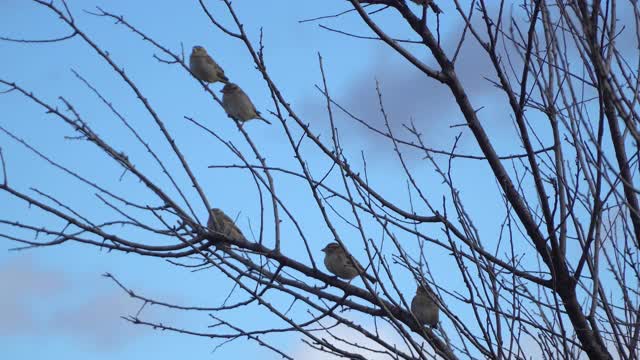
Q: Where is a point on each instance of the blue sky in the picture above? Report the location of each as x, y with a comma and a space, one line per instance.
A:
58, 304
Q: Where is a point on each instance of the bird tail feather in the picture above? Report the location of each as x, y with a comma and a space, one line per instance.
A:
265, 120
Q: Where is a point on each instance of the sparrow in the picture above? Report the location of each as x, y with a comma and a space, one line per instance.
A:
225, 225
424, 307
204, 68
339, 263
238, 105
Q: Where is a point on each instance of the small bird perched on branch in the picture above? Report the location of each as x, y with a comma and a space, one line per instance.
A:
238, 105
220, 222
339, 263
424, 307
204, 68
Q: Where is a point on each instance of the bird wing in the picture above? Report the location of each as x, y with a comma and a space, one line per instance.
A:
209, 60
362, 270
253, 107
347, 261
358, 265
351, 263
230, 229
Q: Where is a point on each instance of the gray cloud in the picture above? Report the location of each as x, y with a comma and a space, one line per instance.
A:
39, 300
408, 94
97, 322
22, 284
